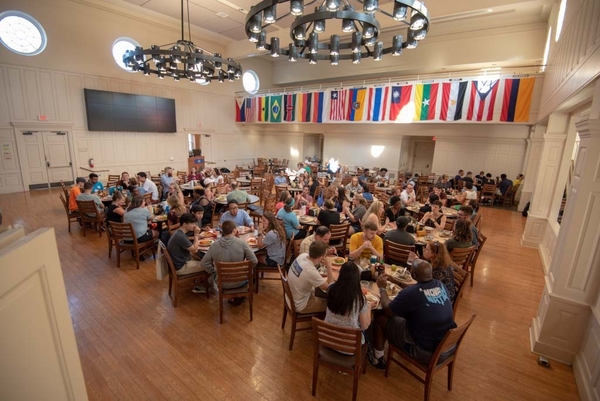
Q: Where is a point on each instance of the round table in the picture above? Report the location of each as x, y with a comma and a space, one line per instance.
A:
294, 189
246, 181
222, 199
245, 237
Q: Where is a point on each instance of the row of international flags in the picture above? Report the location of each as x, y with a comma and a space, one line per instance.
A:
505, 100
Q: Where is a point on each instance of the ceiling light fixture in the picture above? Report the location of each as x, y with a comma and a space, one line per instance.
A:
183, 59
358, 17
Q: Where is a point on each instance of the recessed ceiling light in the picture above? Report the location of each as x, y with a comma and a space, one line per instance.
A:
489, 10
222, 14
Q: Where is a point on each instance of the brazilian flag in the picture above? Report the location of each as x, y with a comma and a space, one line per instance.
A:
276, 103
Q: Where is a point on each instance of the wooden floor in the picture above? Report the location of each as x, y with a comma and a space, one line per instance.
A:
134, 345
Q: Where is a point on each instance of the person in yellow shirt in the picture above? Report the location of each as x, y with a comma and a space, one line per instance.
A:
74, 193
366, 243
518, 180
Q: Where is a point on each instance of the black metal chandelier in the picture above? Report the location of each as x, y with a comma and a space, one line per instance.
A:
362, 28
183, 60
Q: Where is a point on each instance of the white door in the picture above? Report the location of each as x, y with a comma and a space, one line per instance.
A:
206, 147
46, 159
58, 157
35, 171
39, 359
423, 157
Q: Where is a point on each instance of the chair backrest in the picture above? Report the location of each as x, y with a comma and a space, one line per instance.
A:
234, 272
65, 189
113, 178
461, 277
288, 298
340, 339
488, 189
452, 339
64, 202
481, 239
148, 198
449, 224
296, 247
123, 232
87, 207
172, 270
214, 221
339, 231
396, 253
221, 189
462, 256
182, 175
477, 218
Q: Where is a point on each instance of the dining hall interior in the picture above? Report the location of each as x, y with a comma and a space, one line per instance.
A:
84, 326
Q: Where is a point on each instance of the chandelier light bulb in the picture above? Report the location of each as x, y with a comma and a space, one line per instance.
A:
262, 41
255, 24
397, 45
218, 64
370, 6
270, 15
369, 32
420, 34
253, 37
356, 42
176, 57
334, 46
292, 53
378, 51
221, 76
313, 43
416, 22
296, 7
274, 47
312, 59
334, 59
370, 42
332, 5
300, 32
356, 58
400, 11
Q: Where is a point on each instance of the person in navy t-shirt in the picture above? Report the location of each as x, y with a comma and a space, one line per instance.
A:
416, 320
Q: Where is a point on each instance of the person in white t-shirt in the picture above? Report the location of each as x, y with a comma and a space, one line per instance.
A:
303, 278
148, 186
408, 196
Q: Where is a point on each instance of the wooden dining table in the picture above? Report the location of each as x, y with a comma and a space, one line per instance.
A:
222, 199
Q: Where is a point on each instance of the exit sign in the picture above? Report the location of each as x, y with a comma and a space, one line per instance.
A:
42, 117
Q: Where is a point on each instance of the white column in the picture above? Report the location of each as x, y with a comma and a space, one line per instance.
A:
535, 144
573, 282
550, 161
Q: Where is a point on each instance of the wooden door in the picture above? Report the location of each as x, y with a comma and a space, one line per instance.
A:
58, 157
39, 359
423, 157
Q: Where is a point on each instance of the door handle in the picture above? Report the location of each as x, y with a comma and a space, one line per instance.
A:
48, 164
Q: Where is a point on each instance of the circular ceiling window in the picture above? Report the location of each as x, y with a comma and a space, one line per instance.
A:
21, 33
251, 82
119, 47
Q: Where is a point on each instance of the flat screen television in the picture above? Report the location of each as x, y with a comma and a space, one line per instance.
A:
113, 111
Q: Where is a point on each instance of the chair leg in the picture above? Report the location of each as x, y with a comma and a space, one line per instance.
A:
99, 226
293, 333
84, 227
355, 383
250, 302
284, 317
137, 258
315, 378
389, 360
255, 280
170, 284
428, 383
450, 375
472, 274
118, 251
220, 306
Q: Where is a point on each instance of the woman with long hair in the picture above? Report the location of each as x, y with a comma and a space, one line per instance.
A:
290, 220
463, 236
435, 218
346, 304
139, 216
340, 198
124, 181
374, 214
115, 211
440, 260
328, 215
281, 201
175, 190
218, 177
177, 209
395, 210
271, 235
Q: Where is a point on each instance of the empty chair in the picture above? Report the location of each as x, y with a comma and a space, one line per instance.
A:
339, 236
462, 256
444, 355
488, 194
234, 272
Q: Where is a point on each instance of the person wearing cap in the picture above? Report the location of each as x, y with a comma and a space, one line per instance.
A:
399, 235
74, 193
290, 220
416, 320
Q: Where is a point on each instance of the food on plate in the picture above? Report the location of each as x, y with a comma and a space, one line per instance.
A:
339, 261
252, 241
161, 217
393, 267
402, 275
427, 228
205, 242
243, 229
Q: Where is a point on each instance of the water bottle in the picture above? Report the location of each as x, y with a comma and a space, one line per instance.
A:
167, 209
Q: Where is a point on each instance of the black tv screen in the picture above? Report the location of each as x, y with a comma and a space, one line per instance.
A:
113, 111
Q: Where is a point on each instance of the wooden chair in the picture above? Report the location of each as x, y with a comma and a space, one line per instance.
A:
174, 278
508, 199
382, 196
450, 344
65, 191
182, 175
462, 256
289, 307
221, 189
71, 216
488, 192
234, 272
460, 280
258, 171
148, 198
256, 186
89, 213
330, 344
125, 239
339, 236
477, 219
113, 178
473, 263
449, 224
396, 253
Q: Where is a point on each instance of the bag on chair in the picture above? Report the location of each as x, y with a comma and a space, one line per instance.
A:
162, 270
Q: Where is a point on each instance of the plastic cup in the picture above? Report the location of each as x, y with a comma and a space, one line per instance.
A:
364, 286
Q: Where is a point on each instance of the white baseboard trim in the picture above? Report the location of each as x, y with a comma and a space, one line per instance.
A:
545, 257
586, 391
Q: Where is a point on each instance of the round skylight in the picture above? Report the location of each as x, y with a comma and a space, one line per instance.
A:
119, 47
21, 33
251, 82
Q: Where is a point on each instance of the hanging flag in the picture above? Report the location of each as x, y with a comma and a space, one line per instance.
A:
337, 105
400, 98
250, 109
453, 97
289, 101
318, 107
303, 103
240, 109
483, 98
263, 108
517, 99
275, 110
425, 101
378, 98
357, 106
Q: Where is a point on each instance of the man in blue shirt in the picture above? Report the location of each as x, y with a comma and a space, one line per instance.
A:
416, 320
503, 185
96, 185
240, 217
281, 179
364, 178
166, 179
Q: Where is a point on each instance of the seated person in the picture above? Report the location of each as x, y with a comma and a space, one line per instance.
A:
281, 179
421, 315
198, 211
408, 196
290, 220
139, 216
96, 185
426, 208
399, 235
435, 218
366, 194
87, 195
328, 215
465, 213
365, 177
194, 175
272, 236
356, 214
303, 278
354, 186
469, 178
467, 194
441, 195
382, 175
519, 180
395, 210
239, 217
366, 243
124, 181
75, 192
322, 234
488, 180
116, 211
166, 179
148, 186
237, 194
181, 248
176, 209
443, 182
463, 236
304, 198
503, 185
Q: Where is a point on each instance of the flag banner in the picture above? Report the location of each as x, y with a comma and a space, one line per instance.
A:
318, 107
378, 103
289, 102
240, 110
250, 109
483, 98
303, 103
400, 98
517, 99
263, 108
275, 110
337, 105
425, 101
453, 97
357, 106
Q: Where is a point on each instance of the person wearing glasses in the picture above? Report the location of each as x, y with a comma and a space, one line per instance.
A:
240, 217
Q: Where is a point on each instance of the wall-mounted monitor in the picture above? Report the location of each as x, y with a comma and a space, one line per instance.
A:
113, 111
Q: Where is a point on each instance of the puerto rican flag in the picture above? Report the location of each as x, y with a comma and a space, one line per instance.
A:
483, 98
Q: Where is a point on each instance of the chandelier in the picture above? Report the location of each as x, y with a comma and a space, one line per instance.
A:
356, 38
183, 60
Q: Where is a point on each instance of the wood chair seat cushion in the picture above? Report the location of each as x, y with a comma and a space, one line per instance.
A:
327, 355
192, 275
239, 290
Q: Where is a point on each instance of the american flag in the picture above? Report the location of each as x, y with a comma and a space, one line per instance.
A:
337, 106
250, 109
